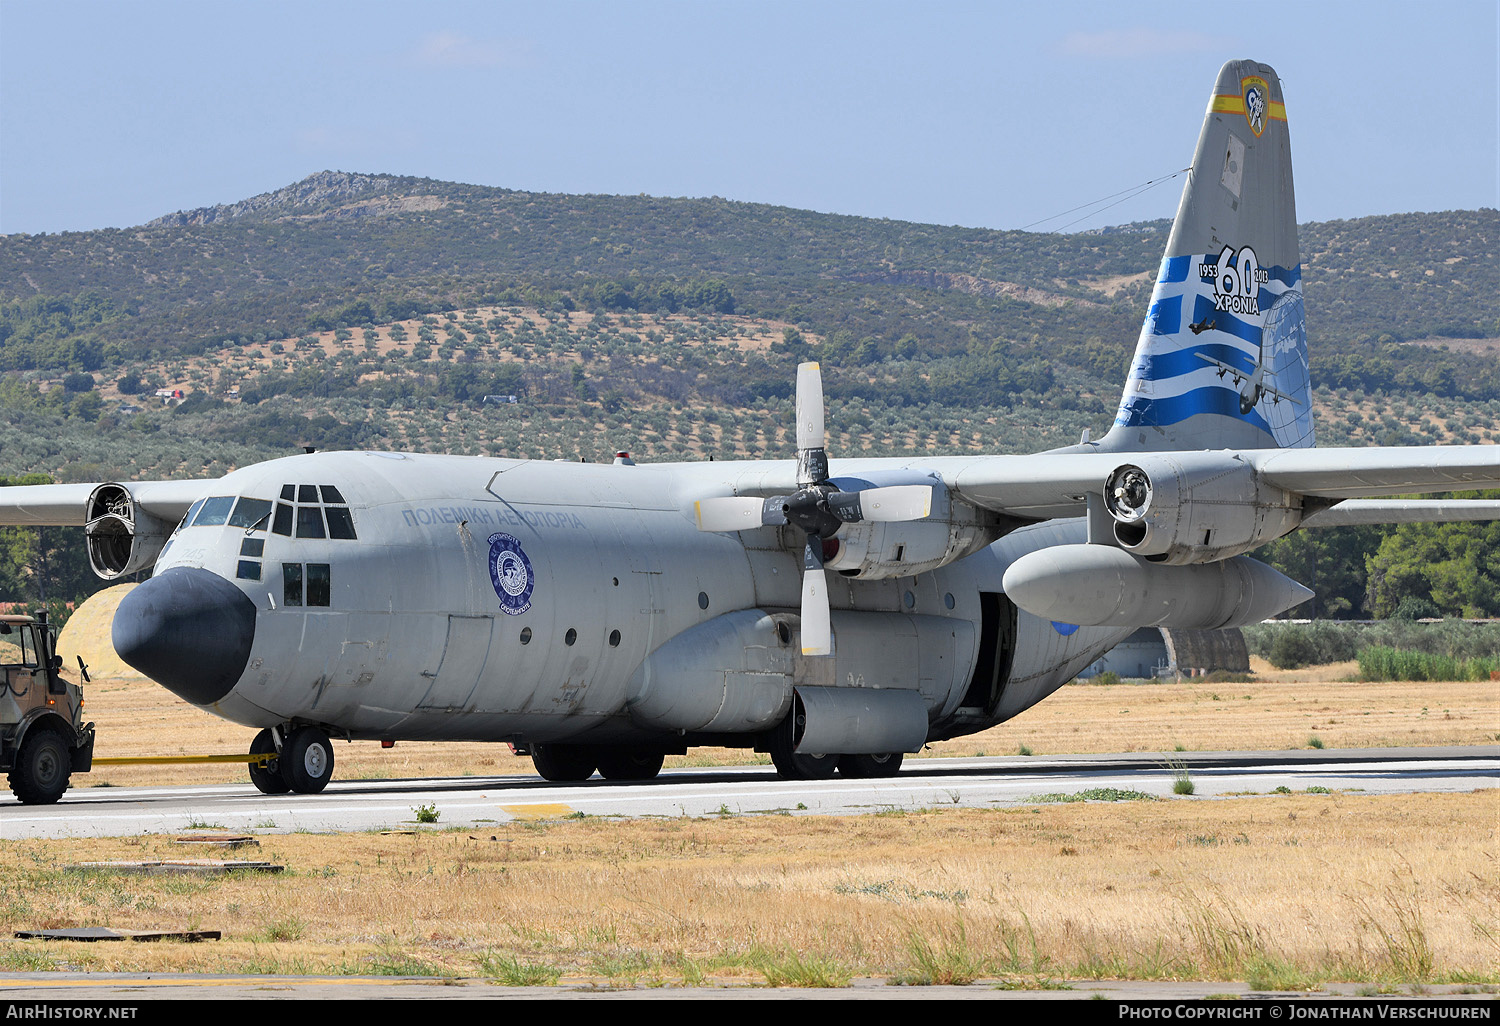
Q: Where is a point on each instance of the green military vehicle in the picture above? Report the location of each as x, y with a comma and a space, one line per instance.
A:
43, 739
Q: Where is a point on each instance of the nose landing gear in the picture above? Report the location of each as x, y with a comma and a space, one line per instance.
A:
304, 762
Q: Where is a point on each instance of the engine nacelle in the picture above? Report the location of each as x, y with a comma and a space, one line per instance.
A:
1195, 507
873, 551
121, 537
1100, 586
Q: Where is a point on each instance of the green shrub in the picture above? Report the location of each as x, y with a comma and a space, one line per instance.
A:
1381, 662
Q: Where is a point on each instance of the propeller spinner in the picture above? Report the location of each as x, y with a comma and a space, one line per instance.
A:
818, 508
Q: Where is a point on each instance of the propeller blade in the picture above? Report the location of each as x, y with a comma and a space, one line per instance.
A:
738, 513
882, 505
809, 406
817, 624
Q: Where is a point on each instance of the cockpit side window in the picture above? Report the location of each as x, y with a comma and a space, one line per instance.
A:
340, 524
250, 513
283, 522
332, 494
214, 511
192, 512
307, 493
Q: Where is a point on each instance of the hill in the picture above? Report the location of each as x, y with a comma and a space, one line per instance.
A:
373, 311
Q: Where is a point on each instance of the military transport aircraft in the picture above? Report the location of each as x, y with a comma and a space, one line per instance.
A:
834, 613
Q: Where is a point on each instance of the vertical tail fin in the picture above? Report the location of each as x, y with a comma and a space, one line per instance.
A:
1222, 357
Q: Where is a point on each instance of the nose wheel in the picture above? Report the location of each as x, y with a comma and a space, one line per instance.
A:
304, 762
267, 776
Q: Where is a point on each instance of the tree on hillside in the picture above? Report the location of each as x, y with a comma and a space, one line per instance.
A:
43, 565
1456, 567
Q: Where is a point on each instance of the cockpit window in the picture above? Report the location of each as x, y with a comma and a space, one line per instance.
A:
306, 519
340, 524
309, 522
250, 513
214, 511
192, 512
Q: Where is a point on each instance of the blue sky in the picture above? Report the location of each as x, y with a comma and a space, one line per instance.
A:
982, 114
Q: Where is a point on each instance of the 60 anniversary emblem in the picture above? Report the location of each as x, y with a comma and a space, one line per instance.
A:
511, 574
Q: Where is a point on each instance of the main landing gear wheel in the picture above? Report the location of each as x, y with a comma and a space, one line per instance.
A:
624, 763
267, 779
42, 767
870, 766
791, 765
307, 760
564, 764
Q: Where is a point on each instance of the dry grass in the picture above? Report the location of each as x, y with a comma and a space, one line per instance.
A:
1283, 890
1293, 889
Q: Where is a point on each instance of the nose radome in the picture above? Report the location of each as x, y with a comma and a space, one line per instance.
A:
189, 630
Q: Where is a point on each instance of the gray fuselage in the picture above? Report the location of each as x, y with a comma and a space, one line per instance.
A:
492, 599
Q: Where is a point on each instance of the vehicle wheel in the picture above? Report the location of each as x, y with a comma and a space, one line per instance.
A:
870, 766
267, 779
307, 760
624, 763
563, 764
43, 765
805, 766
791, 765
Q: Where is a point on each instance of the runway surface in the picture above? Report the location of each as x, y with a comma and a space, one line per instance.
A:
475, 802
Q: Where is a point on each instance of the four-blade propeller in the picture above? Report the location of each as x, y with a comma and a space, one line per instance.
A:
818, 508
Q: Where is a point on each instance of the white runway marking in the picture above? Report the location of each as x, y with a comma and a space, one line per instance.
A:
478, 802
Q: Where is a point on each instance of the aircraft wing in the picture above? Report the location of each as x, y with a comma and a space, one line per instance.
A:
1047, 485
1351, 512
1346, 473
1050, 485
66, 505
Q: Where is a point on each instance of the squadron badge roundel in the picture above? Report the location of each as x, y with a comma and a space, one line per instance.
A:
511, 574
1257, 96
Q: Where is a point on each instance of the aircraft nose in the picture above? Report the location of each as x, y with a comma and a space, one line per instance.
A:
189, 630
